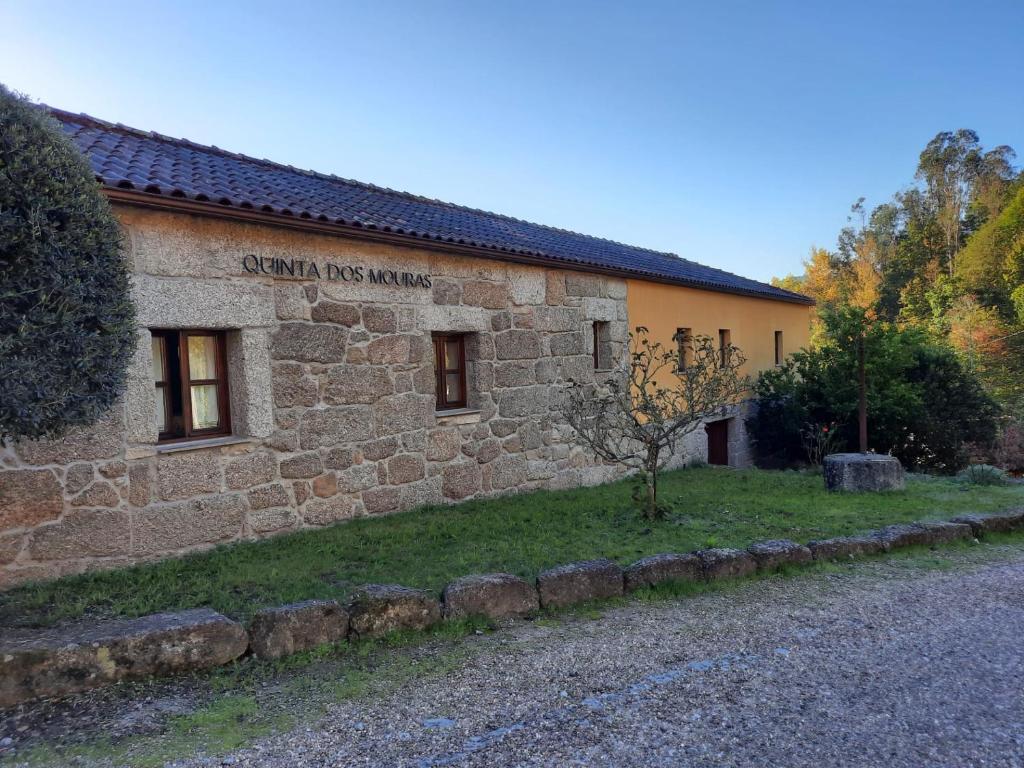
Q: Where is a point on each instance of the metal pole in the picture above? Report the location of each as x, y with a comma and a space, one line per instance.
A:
862, 404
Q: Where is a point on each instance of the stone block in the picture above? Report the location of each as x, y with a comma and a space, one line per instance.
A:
309, 343
348, 384
140, 484
326, 485
443, 444
303, 465
580, 284
402, 413
335, 312
288, 629
82, 533
28, 497
183, 475
290, 302
377, 609
99, 494
579, 582
326, 427
358, 477
250, 470
446, 291
169, 527
1001, 523
76, 478
724, 563
113, 469
658, 569
845, 547
517, 345
859, 472
903, 535
102, 440
406, 468
554, 287
380, 500
292, 387
523, 401
479, 293
515, 373
527, 285
264, 497
493, 595
10, 547
771, 555
389, 350
58, 662
461, 479
339, 458
385, 447
508, 472
327, 511
945, 533
565, 344
272, 520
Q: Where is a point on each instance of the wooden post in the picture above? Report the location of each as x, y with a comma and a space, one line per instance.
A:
862, 405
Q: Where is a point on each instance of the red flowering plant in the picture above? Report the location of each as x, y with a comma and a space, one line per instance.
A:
819, 440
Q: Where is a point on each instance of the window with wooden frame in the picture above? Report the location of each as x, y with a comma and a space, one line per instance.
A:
724, 342
450, 370
684, 347
779, 353
190, 375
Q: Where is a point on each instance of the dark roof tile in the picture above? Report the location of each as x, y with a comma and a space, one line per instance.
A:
126, 158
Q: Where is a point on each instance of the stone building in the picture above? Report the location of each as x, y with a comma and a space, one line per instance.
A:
313, 349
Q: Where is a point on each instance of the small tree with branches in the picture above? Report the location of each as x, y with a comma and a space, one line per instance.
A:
654, 399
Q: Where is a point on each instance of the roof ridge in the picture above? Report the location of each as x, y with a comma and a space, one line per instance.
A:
83, 117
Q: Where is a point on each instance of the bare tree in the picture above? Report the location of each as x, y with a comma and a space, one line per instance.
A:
655, 398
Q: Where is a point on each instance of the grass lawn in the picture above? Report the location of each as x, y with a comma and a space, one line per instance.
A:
519, 534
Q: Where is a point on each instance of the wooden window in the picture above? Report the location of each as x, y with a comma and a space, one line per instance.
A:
190, 376
450, 370
724, 341
684, 347
779, 354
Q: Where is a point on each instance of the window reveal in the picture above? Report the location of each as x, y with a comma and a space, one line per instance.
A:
190, 376
450, 371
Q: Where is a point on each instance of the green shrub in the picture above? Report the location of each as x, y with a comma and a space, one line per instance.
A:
67, 325
924, 407
983, 474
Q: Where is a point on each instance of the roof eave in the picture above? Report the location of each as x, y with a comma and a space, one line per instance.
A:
218, 210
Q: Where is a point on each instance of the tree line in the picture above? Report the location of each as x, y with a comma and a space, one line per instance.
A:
940, 265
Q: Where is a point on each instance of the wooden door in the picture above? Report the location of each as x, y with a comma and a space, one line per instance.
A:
718, 442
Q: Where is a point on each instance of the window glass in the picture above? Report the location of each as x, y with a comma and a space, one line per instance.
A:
161, 410
202, 357
451, 355
452, 387
205, 413
158, 359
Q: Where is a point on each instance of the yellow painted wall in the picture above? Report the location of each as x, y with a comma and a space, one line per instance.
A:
752, 322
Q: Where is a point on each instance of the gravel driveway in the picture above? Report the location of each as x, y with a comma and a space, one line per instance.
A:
877, 666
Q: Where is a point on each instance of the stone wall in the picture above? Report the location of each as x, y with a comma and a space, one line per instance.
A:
332, 390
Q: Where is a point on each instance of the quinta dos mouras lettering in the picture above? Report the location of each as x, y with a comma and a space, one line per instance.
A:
310, 270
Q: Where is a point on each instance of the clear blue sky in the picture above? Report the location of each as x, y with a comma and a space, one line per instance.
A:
733, 133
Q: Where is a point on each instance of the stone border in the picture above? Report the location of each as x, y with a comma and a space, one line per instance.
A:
58, 662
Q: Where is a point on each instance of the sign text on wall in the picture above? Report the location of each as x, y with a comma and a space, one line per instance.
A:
310, 270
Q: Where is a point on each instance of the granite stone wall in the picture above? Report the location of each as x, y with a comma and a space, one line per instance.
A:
332, 387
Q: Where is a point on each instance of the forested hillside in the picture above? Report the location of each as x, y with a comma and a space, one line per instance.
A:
944, 257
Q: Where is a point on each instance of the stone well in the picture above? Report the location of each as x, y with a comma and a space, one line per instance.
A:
863, 472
